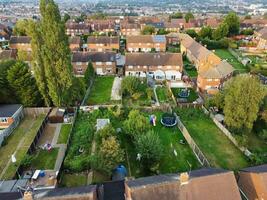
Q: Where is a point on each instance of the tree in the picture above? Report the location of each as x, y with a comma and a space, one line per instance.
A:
105, 132
130, 85
66, 17
24, 85
148, 30
136, 124
22, 27
22, 55
243, 96
7, 95
248, 17
150, 148
188, 16
205, 32
52, 59
192, 33
162, 31
77, 90
233, 22
177, 15
89, 73
221, 32
248, 31
110, 154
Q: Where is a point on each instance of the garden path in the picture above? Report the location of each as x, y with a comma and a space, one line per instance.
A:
116, 89
156, 96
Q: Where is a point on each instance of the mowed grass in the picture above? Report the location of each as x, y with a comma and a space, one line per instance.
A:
218, 149
73, 180
163, 94
44, 159
193, 96
101, 90
64, 134
226, 55
18, 142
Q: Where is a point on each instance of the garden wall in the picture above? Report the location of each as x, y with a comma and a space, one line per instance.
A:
226, 132
36, 111
200, 156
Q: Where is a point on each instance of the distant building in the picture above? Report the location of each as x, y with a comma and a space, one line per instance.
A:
103, 43
8, 54
146, 43
262, 37
104, 63
128, 29
160, 66
76, 29
75, 43
22, 43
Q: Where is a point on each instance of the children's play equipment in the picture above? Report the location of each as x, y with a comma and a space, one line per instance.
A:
168, 120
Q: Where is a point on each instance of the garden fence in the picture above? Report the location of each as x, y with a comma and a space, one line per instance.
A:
226, 132
235, 55
200, 156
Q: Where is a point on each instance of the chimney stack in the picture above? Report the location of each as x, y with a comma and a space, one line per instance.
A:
184, 178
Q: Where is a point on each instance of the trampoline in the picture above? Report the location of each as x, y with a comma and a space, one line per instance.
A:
168, 120
184, 93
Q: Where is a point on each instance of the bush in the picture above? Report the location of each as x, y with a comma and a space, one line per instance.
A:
263, 134
26, 161
130, 85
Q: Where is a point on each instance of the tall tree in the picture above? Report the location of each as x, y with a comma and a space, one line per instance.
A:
221, 32
66, 17
55, 54
24, 85
177, 15
22, 27
205, 32
233, 22
243, 96
188, 16
89, 73
7, 94
148, 30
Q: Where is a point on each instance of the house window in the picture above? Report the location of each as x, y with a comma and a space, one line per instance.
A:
80, 70
159, 67
209, 80
78, 63
169, 67
130, 66
108, 63
3, 120
98, 63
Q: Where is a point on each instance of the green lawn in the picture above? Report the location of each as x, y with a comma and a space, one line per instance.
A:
44, 159
163, 94
217, 147
190, 68
226, 55
101, 90
192, 96
22, 136
64, 134
73, 180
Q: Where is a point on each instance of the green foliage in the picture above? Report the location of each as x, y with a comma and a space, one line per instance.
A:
26, 161
213, 44
233, 22
7, 95
218, 100
66, 17
105, 133
98, 16
51, 56
136, 124
150, 93
148, 30
162, 31
221, 32
243, 96
81, 18
130, 85
263, 134
77, 90
192, 33
89, 73
248, 17
110, 154
24, 85
205, 32
177, 15
248, 31
22, 27
188, 16
150, 148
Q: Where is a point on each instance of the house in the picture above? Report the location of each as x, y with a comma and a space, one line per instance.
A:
262, 37
21, 43
212, 22
128, 29
103, 26
160, 66
171, 27
202, 184
252, 182
76, 29
212, 71
214, 77
146, 43
104, 63
8, 54
75, 43
10, 115
103, 43
253, 23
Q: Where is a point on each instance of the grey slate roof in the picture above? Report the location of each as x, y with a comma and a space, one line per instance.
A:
256, 169
94, 56
8, 110
8, 54
219, 71
20, 39
102, 40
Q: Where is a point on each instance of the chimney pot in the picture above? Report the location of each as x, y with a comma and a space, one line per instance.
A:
184, 178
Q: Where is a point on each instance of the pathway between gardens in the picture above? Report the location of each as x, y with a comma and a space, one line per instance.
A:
116, 89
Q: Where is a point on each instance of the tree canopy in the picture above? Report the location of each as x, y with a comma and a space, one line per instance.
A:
220, 32
148, 30
177, 15
22, 27
188, 16
233, 22
24, 85
130, 85
243, 96
205, 32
